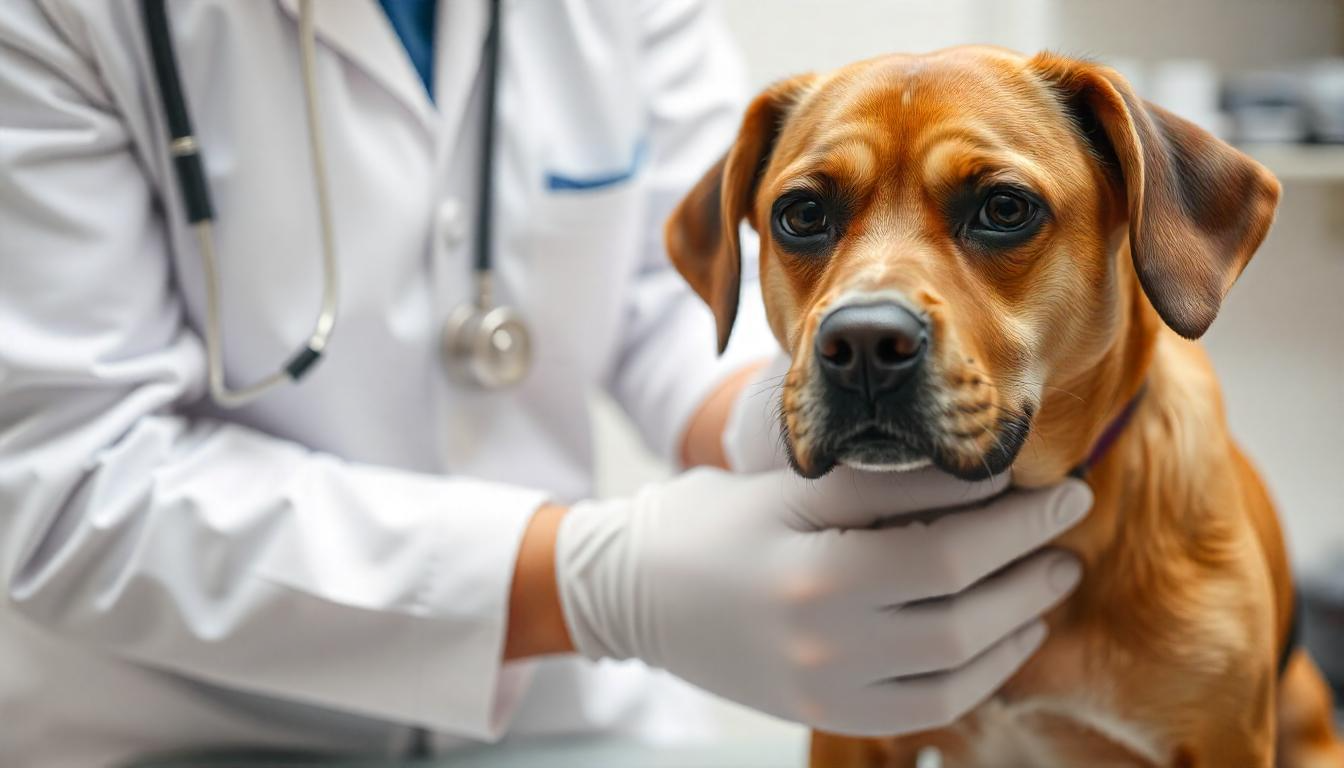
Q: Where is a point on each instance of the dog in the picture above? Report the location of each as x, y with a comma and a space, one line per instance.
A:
986, 262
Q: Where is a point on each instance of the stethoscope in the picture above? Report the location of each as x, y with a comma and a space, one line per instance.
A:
483, 344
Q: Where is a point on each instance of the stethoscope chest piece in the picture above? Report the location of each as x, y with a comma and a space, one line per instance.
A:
488, 347
485, 345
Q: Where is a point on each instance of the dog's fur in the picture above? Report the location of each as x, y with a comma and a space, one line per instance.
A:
1166, 655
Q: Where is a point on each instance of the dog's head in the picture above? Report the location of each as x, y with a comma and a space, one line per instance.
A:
949, 240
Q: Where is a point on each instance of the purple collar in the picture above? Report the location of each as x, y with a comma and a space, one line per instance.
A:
1112, 433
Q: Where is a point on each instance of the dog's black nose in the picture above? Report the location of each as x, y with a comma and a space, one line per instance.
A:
871, 348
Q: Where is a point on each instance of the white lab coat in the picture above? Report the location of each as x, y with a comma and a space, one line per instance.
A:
330, 565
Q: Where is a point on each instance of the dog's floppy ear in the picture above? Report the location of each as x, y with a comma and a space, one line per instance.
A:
701, 234
1198, 208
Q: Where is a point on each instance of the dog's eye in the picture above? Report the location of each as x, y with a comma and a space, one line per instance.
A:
803, 218
1006, 211
995, 218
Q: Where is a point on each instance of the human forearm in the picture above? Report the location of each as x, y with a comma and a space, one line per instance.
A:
702, 444
536, 623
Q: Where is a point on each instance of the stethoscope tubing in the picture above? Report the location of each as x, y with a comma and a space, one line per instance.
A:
488, 346
195, 192
486, 182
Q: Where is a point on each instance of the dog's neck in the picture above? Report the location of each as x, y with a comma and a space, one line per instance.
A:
1077, 410
1108, 437
1162, 453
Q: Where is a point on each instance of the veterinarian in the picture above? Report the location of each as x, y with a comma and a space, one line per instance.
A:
294, 452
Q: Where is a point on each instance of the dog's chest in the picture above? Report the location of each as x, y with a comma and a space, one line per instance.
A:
1047, 732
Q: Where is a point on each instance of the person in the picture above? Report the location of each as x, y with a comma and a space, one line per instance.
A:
381, 558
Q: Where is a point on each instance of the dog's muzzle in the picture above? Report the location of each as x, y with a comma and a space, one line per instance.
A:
871, 350
869, 357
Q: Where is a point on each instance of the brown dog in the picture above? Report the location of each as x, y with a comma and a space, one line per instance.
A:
987, 261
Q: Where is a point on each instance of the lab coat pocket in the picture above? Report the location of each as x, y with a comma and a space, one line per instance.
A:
584, 254
560, 181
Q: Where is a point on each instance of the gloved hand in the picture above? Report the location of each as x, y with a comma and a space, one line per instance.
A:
779, 593
752, 441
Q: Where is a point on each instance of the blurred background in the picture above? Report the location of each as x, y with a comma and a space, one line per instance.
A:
1267, 75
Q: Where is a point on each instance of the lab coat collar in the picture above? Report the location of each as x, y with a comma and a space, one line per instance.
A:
361, 32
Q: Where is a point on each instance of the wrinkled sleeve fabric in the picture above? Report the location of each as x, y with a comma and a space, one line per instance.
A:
215, 551
694, 85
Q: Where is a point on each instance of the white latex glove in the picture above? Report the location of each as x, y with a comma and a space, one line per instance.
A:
777, 592
752, 440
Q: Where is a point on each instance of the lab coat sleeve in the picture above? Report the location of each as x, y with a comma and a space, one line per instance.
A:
695, 94
210, 550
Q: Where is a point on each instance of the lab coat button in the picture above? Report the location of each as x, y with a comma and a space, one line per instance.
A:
452, 225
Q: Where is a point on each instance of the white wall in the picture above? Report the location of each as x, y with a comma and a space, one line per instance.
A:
783, 37
1233, 34
1279, 349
